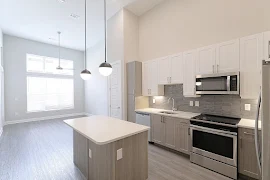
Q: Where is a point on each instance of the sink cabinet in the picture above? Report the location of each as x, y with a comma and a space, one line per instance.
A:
171, 132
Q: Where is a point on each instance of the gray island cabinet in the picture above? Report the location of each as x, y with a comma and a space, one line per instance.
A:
109, 148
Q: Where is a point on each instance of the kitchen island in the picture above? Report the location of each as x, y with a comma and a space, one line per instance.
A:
109, 148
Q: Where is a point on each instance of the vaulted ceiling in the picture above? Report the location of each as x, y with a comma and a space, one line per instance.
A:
41, 19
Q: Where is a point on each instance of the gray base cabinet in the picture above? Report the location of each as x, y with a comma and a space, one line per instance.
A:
247, 161
171, 132
169, 125
182, 136
157, 129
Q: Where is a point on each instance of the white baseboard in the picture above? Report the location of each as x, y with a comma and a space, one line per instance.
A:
45, 118
1, 131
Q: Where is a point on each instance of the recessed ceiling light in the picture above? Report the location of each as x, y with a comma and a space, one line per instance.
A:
74, 16
62, 1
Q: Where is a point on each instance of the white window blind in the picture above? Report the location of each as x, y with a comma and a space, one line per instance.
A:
48, 88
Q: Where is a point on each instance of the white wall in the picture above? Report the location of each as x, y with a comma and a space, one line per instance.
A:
131, 36
1, 85
96, 101
15, 50
119, 48
179, 25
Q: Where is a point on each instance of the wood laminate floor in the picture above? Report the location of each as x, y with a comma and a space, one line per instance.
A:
43, 151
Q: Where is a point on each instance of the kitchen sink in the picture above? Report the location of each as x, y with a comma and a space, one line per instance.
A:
167, 112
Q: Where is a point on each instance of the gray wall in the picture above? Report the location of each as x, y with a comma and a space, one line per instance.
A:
226, 105
15, 50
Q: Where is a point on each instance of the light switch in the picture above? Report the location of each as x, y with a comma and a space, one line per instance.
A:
247, 107
197, 103
90, 153
154, 100
119, 154
191, 103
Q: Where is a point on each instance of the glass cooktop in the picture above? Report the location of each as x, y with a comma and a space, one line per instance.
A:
217, 119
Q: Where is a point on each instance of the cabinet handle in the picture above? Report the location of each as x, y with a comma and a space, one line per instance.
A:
268, 49
247, 133
213, 68
170, 80
189, 131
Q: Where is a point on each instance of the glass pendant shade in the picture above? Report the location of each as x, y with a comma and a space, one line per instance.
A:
105, 69
86, 75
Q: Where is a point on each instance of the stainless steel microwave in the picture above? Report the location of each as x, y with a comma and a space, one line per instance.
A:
222, 83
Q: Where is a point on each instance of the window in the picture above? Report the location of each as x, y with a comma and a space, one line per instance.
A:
49, 88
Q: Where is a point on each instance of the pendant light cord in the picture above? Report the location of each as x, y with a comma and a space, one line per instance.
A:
59, 48
85, 38
105, 30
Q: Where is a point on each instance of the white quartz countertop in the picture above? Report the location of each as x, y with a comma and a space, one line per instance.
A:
103, 130
178, 114
248, 123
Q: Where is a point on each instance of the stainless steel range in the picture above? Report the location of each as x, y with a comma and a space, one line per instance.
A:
214, 143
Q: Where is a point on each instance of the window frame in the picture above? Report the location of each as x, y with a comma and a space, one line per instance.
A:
48, 75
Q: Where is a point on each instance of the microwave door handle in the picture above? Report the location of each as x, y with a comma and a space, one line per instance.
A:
228, 83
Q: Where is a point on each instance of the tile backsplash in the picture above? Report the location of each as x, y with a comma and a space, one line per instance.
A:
225, 105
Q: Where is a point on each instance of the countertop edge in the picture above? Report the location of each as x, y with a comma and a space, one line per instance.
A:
169, 115
106, 142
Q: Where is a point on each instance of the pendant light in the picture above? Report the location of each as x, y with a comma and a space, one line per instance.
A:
105, 68
59, 55
85, 74
59, 67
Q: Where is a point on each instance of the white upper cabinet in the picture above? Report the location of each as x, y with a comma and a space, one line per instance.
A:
251, 55
145, 77
266, 46
164, 70
170, 69
150, 79
189, 73
227, 59
206, 61
177, 69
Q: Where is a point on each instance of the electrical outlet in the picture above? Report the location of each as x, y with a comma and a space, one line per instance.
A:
191, 103
119, 154
154, 101
90, 153
197, 103
247, 107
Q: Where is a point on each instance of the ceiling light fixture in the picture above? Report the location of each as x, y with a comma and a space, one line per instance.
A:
105, 68
85, 74
62, 1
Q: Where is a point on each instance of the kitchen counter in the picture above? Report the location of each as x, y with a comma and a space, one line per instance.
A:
248, 123
109, 148
103, 130
179, 114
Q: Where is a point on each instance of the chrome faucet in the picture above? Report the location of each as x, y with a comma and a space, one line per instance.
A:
173, 108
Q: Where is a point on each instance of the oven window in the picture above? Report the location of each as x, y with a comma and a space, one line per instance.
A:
220, 145
212, 84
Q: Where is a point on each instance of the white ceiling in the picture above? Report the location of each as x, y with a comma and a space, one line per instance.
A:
140, 7
41, 19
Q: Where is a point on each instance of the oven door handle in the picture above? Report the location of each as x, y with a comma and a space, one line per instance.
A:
214, 131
